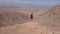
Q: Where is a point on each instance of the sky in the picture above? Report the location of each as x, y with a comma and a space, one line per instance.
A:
29, 3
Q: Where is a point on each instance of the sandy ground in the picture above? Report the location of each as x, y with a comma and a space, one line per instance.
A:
26, 28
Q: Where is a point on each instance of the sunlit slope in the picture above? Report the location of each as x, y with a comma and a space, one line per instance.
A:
51, 19
26, 28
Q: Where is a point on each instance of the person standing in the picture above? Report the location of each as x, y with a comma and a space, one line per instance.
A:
31, 16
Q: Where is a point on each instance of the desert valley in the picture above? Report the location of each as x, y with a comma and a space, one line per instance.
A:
18, 21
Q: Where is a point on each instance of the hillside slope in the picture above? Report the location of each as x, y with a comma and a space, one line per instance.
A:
46, 22
51, 19
26, 28
13, 17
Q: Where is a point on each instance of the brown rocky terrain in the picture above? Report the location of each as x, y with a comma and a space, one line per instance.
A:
13, 17
45, 21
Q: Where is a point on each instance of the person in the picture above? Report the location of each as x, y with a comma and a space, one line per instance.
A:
31, 16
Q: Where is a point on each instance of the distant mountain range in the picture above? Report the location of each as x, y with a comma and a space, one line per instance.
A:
18, 5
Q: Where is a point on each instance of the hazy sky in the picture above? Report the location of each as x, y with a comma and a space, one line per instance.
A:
29, 3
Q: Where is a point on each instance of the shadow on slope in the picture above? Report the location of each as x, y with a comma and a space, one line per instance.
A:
13, 17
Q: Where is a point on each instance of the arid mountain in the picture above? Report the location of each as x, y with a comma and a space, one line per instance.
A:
51, 19
10, 17
45, 21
